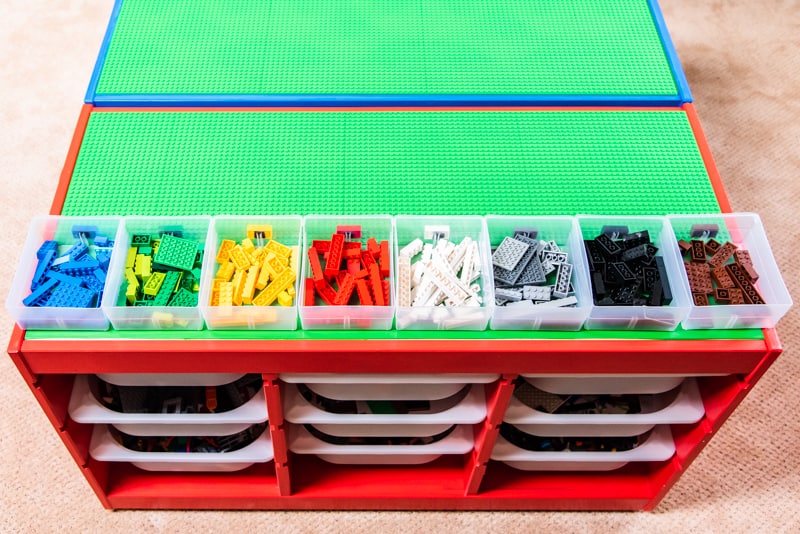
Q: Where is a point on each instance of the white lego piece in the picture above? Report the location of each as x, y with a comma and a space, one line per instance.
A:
404, 281
412, 249
417, 270
431, 231
468, 266
457, 257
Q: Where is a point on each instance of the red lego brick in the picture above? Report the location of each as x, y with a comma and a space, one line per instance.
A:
354, 265
373, 247
310, 292
351, 253
346, 287
321, 246
313, 262
325, 291
351, 230
386, 291
334, 256
376, 285
352, 245
384, 261
363, 293
367, 259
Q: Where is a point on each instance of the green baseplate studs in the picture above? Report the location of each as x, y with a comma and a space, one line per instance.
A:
386, 47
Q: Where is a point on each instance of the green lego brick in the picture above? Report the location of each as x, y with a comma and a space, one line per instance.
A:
183, 297
387, 47
448, 163
176, 252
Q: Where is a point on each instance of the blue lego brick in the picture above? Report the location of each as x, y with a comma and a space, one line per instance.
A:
40, 294
70, 296
42, 267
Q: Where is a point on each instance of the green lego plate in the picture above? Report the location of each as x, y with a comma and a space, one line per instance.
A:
397, 162
546, 162
387, 52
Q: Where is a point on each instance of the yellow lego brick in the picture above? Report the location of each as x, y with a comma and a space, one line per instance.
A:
225, 272
284, 299
142, 266
130, 294
223, 254
258, 257
264, 231
163, 319
226, 294
239, 258
130, 276
270, 293
263, 278
295, 259
131, 259
250, 285
154, 284
248, 246
275, 266
238, 287
278, 249
291, 292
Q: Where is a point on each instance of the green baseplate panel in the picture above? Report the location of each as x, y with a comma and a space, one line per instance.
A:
251, 162
425, 47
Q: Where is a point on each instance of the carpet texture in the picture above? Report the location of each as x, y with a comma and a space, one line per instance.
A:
741, 59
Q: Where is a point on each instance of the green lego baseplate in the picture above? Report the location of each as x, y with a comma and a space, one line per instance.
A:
385, 47
406, 162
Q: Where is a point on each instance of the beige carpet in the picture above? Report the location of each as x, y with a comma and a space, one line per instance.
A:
741, 58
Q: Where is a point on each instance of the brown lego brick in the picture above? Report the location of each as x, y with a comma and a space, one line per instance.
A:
722, 255
742, 257
700, 299
685, 246
742, 281
722, 278
736, 296
712, 246
699, 277
698, 251
722, 296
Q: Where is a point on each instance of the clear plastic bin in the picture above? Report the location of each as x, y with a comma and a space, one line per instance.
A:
658, 447
566, 233
410, 227
151, 317
348, 317
56, 228
285, 230
747, 232
639, 317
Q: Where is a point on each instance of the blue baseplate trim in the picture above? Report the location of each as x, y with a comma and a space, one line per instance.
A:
678, 75
228, 100
91, 91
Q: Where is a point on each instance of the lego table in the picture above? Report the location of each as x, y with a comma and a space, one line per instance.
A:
383, 52
186, 161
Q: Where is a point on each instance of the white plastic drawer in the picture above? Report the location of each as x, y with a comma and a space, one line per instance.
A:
459, 441
387, 387
105, 448
665, 408
604, 384
85, 408
656, 448
472, 409
170, 379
